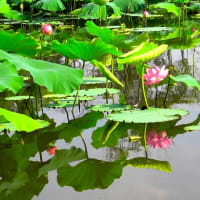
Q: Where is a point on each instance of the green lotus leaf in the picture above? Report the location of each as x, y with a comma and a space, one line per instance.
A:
170, 7
21, 122
84, 50
132, 5
106, 35
187, 80
7, 126
151, 115
89, 174
68, 99
106, 72
109, 107
61, 158
145, 54
94, 92
18, 43
4, 7
94, 80
9, 78
55, 77
19, 98
150, 163
190, 128
50, 5
100, 2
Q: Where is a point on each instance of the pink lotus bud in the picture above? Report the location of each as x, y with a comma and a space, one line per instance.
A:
146, 14
155, 75
193, 29
52, 150
47, 29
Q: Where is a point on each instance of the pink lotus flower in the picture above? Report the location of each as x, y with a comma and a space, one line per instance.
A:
155, 75
146, 14
158, 139
52, 150
193, 29
47, 29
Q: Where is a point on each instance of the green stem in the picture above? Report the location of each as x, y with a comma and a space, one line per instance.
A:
106, 90
75, 99
143, 89
145, 139
194, 62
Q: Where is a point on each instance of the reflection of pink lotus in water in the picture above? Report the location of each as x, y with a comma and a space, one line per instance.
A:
158, 139
52, 150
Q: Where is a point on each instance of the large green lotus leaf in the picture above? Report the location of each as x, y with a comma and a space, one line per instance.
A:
89, 174
107, 73
148, 52
109, 107
13, 15
4, 7
170, 7
150, 163
192, 128
100, 2
117, 12
94, 80
94, 92
132, 5
62, 158
9, 78
106, 35
21, 122
84, 50
151, 115
91, 11
109, 134
18, 43
55, 77
186, 79
50, 5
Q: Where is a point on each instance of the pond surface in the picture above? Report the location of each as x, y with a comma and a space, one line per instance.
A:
111, 167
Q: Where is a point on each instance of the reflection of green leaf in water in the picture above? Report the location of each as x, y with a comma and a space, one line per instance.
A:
192, 128
89, 174
150, 115
100, 139
186, 79
150, 163
9, 78
61, 158
148, 52
109, 107
57, 78
21, 122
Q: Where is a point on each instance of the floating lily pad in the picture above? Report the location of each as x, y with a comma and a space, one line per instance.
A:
192, 128
60, 105
109, 107
95, 80
151, 115
49, 96
19, 98
152, 29
94, 92
150, 163
84, 98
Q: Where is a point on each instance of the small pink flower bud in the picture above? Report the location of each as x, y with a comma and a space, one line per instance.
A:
52, 150
47, 29
193, 29
146, 14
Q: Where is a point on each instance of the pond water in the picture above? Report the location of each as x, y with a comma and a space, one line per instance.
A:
101, 162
